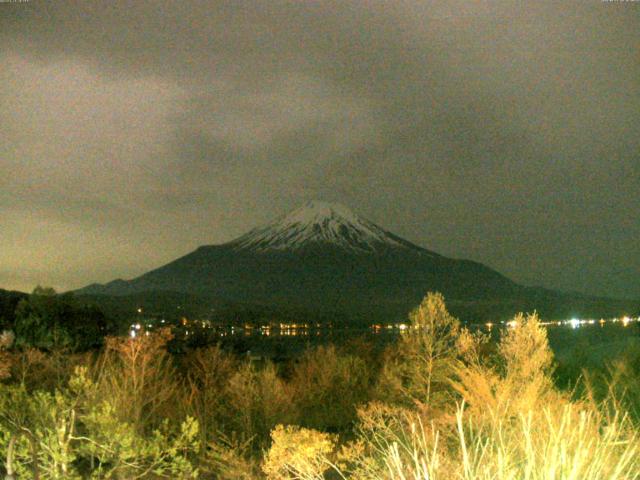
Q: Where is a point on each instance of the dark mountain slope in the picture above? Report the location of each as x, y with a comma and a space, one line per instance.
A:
323, 257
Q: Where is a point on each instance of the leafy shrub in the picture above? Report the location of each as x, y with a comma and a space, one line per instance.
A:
66, 435
230, 458
327, 387
138, 377
298, 453
256, 401
207, 373
519, 378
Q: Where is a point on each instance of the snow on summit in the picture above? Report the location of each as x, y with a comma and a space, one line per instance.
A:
320, 223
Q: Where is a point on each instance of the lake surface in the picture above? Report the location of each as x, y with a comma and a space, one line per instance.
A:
594, 341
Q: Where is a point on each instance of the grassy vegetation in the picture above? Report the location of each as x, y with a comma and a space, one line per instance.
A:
441, 403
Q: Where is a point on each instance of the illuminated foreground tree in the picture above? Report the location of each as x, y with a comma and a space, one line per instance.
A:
76, 432
419, 370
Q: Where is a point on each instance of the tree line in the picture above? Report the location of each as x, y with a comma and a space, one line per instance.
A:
442, 402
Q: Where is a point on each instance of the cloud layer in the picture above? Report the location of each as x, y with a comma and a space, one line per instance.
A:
506, 132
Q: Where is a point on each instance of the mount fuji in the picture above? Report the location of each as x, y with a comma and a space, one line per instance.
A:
321, 224
324, 259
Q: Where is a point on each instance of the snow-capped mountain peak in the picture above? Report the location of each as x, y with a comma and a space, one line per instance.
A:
315, 211
319, 222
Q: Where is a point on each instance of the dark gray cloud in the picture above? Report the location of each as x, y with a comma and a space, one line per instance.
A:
506, 132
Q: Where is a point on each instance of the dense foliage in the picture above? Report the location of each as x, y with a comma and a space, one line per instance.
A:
49, 321
441, 403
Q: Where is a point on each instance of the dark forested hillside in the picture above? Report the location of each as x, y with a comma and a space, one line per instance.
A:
8, 303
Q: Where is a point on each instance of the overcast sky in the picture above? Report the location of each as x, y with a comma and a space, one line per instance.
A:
506, 132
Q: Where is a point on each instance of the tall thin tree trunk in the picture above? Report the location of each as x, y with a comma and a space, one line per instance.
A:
34, 457
10, 452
